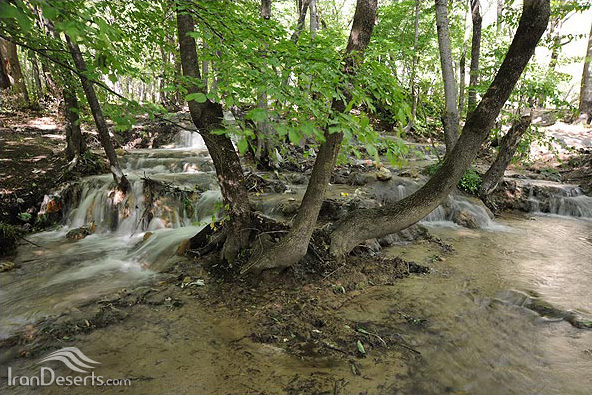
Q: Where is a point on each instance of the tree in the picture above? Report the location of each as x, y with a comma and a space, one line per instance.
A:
97, 113
365, 224
295, 244
585, 106
450, 117
414, 89
75, 142
12, 68
507, 150
475, 52
207, 117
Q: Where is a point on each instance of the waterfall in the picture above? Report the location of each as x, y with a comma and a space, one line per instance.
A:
558, 199
457, 208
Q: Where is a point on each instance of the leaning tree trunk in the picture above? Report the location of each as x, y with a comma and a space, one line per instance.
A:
586, 88
365, 224
507, 150
450, 116
97, 113
293, 247
475, 52
208, 117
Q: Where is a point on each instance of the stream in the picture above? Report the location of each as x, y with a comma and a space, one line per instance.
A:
471, 318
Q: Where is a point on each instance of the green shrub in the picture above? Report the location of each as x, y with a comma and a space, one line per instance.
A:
470, 181
8, 237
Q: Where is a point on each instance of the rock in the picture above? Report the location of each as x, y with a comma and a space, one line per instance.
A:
333, 209
412, 173
289, 207
183, 247
7, 266
82, 232
296, 178
383, 174
147, 235
464, 218
359, 178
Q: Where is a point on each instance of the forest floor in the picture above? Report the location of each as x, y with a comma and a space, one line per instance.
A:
207, 334
31, 160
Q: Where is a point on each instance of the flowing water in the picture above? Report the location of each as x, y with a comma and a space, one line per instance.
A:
478, 335
57, 274
469, 318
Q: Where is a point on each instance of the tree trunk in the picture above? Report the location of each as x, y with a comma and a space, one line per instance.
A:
586, 87
207, 117
365, 224
264, 153
97, 113
75, 144
314, 18
301, 17
450, 116
266, 9
415, 61
499, 14
50, 83
475, 53
4, 79
507, 150
13, 69
205, 69
36, 76
461, 80
293, 247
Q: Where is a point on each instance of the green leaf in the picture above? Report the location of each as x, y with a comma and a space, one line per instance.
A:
199, 97
243, 145
361, 348
256, 114
293, 136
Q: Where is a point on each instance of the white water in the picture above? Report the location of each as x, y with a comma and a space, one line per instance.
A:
62, 273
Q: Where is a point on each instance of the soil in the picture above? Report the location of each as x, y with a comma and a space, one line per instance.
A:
31, 161
284, 331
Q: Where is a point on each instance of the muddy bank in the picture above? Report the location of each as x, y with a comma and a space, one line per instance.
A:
286, 332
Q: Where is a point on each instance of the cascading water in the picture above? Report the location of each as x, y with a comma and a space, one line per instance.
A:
172, 190
456, 209
558, 199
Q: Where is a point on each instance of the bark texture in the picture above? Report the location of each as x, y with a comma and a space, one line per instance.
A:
97, 113
450, 115
75, 143
475, 53
293, 247
36, 76
13, 70
207, 117
365, 224
507, 150
586, 88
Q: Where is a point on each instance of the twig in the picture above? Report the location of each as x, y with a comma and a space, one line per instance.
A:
29, 241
